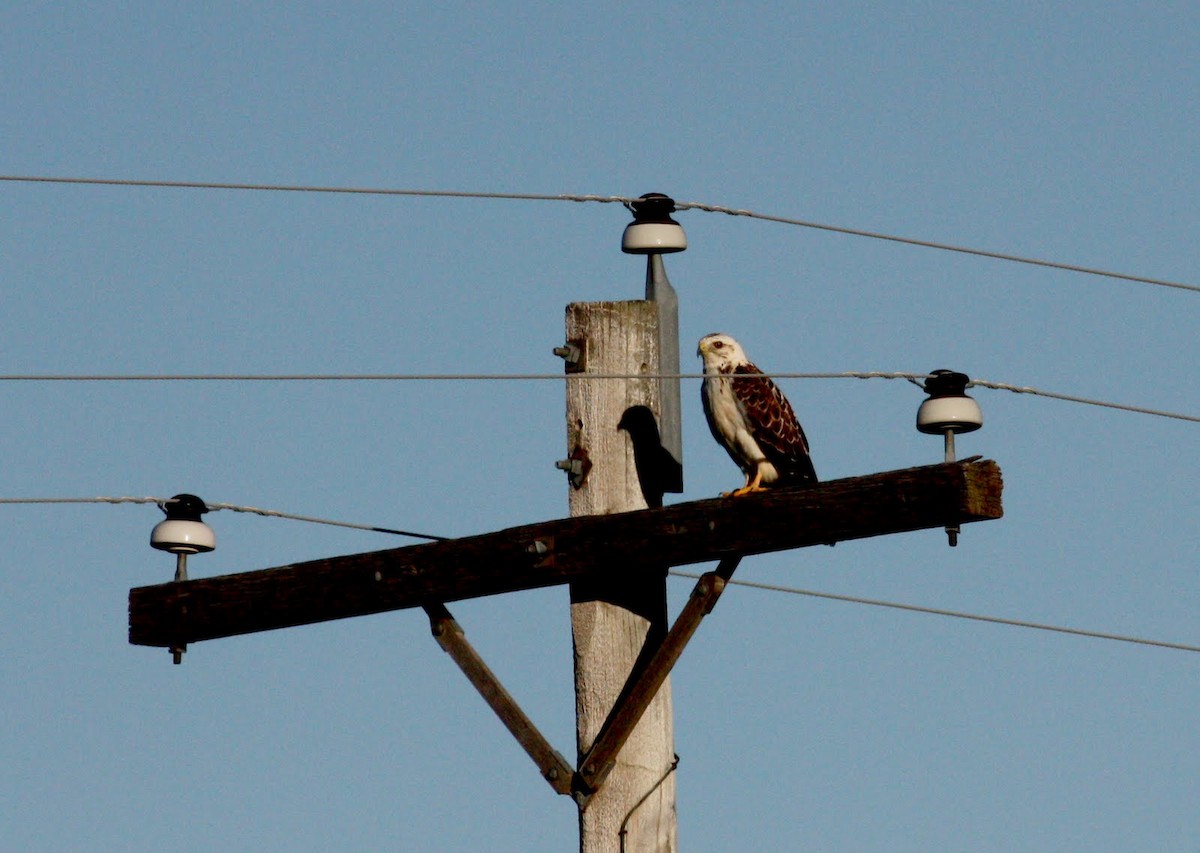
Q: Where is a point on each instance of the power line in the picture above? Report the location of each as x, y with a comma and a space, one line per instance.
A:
946, 247
686, 205
227, 506
570, 377
1016, 389
412, 377
305, 188
935, 611
312, 520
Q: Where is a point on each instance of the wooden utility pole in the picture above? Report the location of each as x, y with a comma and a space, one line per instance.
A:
619, 616
624, 452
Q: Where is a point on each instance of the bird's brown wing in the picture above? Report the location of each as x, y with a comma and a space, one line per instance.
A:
774, 425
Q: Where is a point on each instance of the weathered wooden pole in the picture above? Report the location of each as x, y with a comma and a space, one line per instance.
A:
613, 617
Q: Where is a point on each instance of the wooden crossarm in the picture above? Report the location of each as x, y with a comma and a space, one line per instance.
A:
563, 550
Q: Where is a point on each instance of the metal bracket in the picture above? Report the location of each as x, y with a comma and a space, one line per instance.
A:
574, 354
666, 302
577, 466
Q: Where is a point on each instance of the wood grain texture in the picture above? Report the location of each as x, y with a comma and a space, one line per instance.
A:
619, 613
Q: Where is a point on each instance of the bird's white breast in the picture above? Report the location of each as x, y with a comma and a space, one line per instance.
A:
730, 422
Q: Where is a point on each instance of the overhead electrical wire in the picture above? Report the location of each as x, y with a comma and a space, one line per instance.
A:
937, 611
679, 205
313, 520
570, 377
946, 247
413, 377
271, 513
309, 188
1070, 398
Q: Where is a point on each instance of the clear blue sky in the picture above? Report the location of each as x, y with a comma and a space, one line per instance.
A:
1061, 131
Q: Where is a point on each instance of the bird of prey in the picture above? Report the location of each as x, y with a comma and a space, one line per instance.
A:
751, 419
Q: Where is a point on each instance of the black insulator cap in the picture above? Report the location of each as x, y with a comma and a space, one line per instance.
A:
946, 383
653, 207
184, 507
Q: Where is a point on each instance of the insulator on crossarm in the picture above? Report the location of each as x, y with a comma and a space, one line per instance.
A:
946, 412
183, 533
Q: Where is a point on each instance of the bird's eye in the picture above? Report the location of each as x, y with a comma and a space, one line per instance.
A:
718, 344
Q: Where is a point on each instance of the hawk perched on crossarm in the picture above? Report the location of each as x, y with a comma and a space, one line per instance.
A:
751, 418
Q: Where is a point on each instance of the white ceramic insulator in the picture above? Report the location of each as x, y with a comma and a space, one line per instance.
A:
653, 238
957, 414
183, 537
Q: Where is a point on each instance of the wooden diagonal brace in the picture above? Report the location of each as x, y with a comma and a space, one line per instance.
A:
449, 635
624, 717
